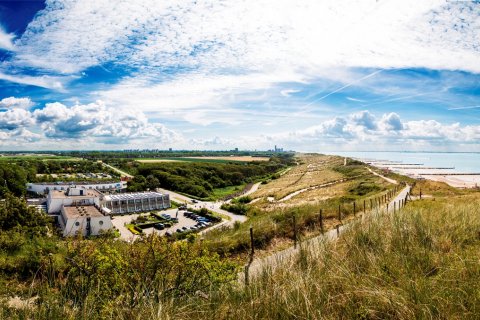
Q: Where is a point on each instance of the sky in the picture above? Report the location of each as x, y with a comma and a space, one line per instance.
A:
307, 75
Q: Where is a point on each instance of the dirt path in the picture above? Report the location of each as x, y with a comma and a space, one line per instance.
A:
252, 189
122, 173
383, 177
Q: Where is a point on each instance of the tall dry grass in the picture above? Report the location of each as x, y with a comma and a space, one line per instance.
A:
421, 263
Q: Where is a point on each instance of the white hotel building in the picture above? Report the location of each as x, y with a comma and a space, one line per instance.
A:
87, 211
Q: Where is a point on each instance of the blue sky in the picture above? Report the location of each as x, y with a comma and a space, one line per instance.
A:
308, 75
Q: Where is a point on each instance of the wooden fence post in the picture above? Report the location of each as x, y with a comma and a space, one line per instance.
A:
394, 206
252, 248
364, 208
321, 221
294, 232
338, 230
354, 209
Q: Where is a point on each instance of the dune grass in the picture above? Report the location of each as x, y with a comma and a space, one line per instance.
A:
422, 263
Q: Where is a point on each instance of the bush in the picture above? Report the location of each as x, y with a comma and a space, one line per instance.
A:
237, 208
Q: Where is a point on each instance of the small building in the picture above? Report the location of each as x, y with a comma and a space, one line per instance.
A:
136, 202
73, 196
46, 187
85, 220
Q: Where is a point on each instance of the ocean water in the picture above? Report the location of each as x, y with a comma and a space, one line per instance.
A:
462, 161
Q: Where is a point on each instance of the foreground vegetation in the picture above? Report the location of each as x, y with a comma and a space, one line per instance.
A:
420, 263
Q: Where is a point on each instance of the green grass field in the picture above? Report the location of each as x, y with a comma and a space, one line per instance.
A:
221, 193
153, 160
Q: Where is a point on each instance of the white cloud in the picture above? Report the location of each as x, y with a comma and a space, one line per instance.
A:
15, 118
386, 133
391, 122
98, 120
6, 40
49, 82
253, 35
190, 92
12, 102
20, 135
365, 119
288, 92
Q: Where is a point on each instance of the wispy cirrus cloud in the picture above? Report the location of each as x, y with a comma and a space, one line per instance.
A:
50, 82
209, 36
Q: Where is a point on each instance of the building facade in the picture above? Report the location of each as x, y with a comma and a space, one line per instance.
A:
73, 196
85, 220
136, 202
45, 188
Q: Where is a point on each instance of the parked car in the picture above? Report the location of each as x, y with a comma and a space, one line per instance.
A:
179, 230
159, 226
168, 234
194, 201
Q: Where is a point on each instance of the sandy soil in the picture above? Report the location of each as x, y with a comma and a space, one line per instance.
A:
458, 181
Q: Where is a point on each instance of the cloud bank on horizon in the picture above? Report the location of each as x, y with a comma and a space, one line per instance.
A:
306, 75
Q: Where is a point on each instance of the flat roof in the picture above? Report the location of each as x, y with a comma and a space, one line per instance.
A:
81, 211
72, 183
134, 195
88, 193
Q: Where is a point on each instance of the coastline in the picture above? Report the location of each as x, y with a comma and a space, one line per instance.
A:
421, 171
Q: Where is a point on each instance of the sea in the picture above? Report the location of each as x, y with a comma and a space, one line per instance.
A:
463, 162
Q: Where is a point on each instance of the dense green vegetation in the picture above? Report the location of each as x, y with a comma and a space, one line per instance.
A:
16, 173
420, 263
96, 278
200, 179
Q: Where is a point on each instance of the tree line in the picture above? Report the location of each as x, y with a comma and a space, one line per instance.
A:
200, 179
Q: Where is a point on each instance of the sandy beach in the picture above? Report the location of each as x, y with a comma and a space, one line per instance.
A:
458, 181
420, 171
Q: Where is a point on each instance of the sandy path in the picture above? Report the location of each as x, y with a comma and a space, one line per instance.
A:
383, 177
122, 173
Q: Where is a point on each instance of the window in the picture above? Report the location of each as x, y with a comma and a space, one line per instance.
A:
77, 223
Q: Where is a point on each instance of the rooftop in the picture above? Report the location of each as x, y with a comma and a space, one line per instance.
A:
131, 196
88, 193
81, 211
73, 183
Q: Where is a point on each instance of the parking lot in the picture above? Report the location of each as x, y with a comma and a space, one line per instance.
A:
120, 221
